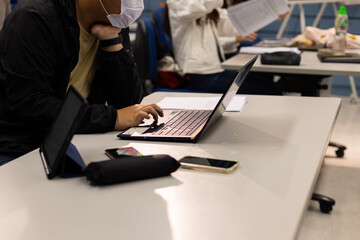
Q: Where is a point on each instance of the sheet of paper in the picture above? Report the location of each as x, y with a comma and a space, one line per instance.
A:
201, 103
250, 16
174, 151
261, 50
282, 42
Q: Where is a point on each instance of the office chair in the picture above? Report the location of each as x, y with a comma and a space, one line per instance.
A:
145, 49
13, 3
164, 40
306, 85
146, 54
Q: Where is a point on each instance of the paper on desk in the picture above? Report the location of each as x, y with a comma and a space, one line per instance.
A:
201, 103
261, 50
250, 16
174, 151
282, 42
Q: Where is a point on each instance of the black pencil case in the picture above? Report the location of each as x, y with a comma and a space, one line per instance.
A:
128, 169
281, 58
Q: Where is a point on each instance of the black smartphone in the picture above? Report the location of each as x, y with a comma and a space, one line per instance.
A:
208, 164
122, 152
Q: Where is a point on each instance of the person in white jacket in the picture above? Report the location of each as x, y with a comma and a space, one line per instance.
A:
200, 32
195, 28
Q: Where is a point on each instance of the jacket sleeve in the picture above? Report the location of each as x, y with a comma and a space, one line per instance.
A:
117, 81
190, 10
228, 43
98, 118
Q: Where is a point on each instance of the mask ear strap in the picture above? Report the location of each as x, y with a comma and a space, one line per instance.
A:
103, 7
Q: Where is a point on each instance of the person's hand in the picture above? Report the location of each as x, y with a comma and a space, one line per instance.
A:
105, 32
133, 115
281, 16
250, 38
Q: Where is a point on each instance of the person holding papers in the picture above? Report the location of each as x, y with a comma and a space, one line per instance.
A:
195, 29
45, 46
200, 30
256, 82
230, 39
231, 44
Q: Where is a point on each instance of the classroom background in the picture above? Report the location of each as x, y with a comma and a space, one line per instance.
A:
340, 84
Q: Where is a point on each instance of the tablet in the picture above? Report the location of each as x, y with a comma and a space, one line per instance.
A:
58, 138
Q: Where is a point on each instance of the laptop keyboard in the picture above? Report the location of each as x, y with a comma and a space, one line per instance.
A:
183, 123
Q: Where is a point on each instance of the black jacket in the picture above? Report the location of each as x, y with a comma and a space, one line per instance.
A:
39, 46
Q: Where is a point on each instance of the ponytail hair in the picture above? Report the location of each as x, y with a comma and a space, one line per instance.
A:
214, 17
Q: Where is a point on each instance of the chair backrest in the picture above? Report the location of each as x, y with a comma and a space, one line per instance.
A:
13, 3
145, 48
147, 52
164, 40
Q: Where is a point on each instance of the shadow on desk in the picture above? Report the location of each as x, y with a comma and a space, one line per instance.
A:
272, 167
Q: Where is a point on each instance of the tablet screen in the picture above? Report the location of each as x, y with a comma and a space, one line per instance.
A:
60, 134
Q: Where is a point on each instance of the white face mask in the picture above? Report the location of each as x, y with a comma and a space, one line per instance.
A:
130, 11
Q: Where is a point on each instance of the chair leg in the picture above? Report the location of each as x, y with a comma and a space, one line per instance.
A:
340, 151
326, 203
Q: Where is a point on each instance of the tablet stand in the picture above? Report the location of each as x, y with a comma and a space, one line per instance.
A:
73, 164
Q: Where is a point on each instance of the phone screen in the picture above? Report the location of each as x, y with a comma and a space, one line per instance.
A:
208, 162
122, 152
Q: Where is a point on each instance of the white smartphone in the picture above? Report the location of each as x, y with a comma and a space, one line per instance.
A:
208, 164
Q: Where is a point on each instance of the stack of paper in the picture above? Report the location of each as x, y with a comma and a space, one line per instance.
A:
201, 103
250, 16
282, 42
261, 50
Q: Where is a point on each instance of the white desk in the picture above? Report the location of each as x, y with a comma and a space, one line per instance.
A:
310, 64
279, 142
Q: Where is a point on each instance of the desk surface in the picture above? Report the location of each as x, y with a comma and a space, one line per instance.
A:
310, 64
279, 142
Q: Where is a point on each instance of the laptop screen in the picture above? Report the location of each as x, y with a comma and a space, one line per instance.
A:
229, 95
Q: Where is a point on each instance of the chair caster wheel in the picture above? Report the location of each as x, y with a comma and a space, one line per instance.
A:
326, 203
339, 153
325, 208
340, 149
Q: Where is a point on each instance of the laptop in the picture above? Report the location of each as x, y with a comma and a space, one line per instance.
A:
58, 155
188, 125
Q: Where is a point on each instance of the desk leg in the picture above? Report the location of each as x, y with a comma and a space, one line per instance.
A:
319, 15
354, 95
335, 8
302, 17
285, 22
